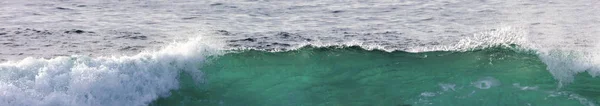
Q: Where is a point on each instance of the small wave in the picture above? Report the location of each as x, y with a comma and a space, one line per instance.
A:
563, 63
386, 41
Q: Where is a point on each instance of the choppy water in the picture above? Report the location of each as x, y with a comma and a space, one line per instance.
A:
486, 52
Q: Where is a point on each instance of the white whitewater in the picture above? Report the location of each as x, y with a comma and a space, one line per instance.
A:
101, 81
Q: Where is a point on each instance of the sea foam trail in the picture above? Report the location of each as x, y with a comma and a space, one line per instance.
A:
107, 81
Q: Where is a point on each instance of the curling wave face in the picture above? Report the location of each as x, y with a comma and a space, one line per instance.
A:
352, 76
564, 61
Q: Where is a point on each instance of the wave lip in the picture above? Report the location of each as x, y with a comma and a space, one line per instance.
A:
387, 41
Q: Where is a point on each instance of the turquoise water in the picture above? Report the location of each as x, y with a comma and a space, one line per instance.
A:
352, 76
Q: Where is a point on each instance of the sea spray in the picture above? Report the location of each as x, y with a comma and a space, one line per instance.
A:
100, 81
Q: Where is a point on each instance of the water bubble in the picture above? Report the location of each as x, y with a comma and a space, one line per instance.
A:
447, 87
427, 94
486, 83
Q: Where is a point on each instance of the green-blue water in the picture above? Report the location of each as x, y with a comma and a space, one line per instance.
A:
355, 77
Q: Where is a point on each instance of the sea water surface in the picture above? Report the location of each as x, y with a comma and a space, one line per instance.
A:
352, 76
299, 53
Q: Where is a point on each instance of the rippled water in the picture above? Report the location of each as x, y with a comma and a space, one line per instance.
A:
397, 25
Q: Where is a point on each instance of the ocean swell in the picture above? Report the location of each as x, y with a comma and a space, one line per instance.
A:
562, 61
145, 77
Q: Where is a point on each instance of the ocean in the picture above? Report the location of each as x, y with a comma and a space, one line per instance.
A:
299, 53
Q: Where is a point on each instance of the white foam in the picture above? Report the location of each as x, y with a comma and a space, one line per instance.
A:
428, 94
486, 83
565, 63
517, 85
107, 81
447, 87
